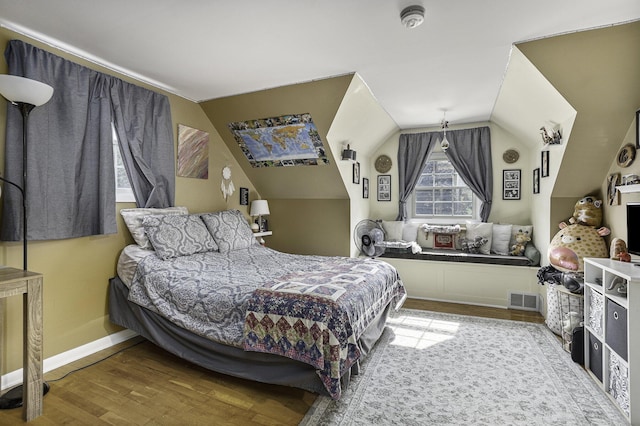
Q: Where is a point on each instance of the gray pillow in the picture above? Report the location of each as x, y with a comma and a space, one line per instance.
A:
133, 220
178, 235
230, 230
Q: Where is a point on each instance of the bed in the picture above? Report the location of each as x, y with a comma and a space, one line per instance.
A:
201, 287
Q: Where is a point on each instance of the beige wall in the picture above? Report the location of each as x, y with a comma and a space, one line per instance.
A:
76, 271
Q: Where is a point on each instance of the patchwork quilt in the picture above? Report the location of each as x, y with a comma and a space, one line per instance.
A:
309, 308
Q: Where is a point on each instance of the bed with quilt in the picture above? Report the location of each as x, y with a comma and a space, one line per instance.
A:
201, 287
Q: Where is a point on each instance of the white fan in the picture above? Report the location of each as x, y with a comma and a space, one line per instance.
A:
367, 234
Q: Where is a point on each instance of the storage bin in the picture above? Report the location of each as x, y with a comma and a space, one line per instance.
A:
618, 386
596, 311
595, 356
616, 336
561, 302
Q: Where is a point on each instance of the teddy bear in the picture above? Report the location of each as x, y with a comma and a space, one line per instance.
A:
587, 211
522, 238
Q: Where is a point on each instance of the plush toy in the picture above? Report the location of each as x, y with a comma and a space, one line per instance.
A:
587, 211
573, 243
522, 238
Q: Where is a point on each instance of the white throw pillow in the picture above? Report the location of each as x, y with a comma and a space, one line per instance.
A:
392, 230
501, 238
410, 231
481, 229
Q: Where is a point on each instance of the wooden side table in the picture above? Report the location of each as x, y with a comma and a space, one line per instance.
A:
14, 282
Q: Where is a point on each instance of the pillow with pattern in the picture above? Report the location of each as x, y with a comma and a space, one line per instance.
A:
230, 230
178, 235
472, 245
133, 220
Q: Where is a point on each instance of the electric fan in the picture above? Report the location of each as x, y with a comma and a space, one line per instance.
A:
367, 234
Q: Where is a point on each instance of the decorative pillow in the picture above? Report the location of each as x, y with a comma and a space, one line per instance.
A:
480, 229
133, 220
516, 229
392, 230
472, 245
178, 235
230, 230
410, 231
500, 238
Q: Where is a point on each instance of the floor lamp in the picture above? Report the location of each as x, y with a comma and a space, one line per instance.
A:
26, 94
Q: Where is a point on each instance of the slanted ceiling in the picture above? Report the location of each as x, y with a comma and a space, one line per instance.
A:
598, 73
321, 99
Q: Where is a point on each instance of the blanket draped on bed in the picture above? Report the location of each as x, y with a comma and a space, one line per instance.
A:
319, 306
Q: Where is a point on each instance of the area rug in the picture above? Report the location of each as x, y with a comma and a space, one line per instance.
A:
440, 369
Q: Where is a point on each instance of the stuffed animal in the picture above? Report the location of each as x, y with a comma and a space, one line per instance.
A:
587, 211
522, 238
573, 243
571, 321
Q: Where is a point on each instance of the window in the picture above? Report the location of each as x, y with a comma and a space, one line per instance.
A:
441, 193
124, 193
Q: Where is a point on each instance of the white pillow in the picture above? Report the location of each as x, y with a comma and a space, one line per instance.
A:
500, 239
481, 229
410, 231
392, 230
133, 220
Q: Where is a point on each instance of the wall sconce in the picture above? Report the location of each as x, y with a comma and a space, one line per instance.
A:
348, 154
552, 139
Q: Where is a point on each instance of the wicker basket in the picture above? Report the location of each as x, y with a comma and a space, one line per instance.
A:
560, 302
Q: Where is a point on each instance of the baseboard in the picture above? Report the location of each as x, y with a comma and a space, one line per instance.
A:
458, 302
14, 378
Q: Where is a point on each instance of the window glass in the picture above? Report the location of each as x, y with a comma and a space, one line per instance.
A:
124, 193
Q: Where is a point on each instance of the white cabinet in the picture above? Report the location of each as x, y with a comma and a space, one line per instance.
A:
611, 343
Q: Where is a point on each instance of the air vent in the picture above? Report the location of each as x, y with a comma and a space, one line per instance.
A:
524, 301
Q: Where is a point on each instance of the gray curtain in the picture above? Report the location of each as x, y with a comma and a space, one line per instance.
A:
70, 187
470, 154
413, 151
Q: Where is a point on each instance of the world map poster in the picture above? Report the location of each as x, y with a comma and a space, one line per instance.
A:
289, 140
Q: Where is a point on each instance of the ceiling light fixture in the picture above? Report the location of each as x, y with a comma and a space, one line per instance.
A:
412, 16
445, 125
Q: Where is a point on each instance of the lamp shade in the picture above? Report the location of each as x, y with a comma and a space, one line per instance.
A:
259, 208
24, 90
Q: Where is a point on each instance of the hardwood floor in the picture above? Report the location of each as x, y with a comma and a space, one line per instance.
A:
141, 384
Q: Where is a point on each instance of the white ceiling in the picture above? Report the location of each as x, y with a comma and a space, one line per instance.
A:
206, 49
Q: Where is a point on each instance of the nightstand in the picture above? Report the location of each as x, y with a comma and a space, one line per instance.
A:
259, 235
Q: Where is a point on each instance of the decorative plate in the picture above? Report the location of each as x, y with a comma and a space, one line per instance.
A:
510, 156
383, 164
626, 155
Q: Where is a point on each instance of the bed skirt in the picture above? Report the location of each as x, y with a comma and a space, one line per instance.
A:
261, 367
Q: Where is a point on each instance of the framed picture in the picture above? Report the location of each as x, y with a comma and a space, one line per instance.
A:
638, 129
356, 172
544, 172
511, 184
365, 188
536, 180
384, 187
613, 196
244, 196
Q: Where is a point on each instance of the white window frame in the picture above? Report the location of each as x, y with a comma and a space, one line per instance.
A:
438, 156
123, 194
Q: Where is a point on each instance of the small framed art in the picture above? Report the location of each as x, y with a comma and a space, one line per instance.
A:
384, 187
638, 129
356, 172
544, 166
511, 184
244, 196
365, 188
536, 180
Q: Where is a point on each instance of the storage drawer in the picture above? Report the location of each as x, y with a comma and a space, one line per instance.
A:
616, 333
596, 311
618, 386
595, 356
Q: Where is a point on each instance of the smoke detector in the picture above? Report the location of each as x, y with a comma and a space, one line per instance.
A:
412, 16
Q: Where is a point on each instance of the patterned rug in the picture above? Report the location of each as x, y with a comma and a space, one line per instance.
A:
440, 369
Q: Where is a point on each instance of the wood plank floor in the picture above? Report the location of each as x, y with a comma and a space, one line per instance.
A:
141, 384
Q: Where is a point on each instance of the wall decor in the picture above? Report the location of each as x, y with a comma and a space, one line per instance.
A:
510, 156
638, 129
511, 184
288, 140
365, 188
193, 153
544, 167
244, 196
356, 172
536, 180
550, 138
227, 187
613, 196
383, 164
384, 187
626, 155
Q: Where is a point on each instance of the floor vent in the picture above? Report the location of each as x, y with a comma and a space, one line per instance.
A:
524, 301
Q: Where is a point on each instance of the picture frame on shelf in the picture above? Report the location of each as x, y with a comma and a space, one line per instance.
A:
356, 172
544, 166
365, 188
536, 180
511, 184
384, 187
